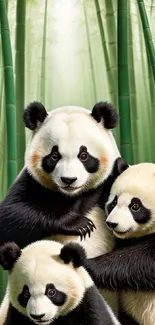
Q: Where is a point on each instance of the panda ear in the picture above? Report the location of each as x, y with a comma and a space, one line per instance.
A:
119, 166
35, 112
74, 253
9, 254
107, 113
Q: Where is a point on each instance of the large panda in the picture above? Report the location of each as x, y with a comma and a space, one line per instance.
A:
130, 268
49, 285
69, 169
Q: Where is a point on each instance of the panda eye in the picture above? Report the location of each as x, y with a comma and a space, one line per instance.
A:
54, 155
135, 207
51, 292
83, 156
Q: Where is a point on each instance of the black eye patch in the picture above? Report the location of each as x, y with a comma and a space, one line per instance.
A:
140, 213
111, 205
57, 297
90, 163
24, 296
49, 162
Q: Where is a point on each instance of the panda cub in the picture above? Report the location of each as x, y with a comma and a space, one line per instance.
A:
49, 285
130, 268
61, 191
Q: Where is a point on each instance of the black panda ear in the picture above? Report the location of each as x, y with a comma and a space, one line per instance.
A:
119, 166
9, 254
35, 112
107, 113
74, 253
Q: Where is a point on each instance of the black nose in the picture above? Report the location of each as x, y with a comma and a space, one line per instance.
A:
111, 225
68, 180
37, 316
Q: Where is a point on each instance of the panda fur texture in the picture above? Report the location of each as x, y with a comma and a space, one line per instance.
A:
68, 173
48, 284
130, 268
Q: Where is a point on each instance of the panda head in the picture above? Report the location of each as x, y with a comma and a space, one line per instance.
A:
46, 280
71, 149
131, 205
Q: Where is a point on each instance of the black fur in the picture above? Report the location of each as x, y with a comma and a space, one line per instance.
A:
74, 253
34, 212
107, 112
34, 113
131, 267
91, 164
58, 298
91, 311
143, 214
9, 254
48, 164
24, 296
111, 205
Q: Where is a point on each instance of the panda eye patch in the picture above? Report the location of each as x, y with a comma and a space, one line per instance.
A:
140, 213
49, 162
90, 163
57, 297
24, 296
135, 204
111, 205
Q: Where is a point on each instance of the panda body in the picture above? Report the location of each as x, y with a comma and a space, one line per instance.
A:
48, 284
131, 267
61, 192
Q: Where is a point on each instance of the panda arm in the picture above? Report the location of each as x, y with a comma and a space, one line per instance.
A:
128, 268
14, 317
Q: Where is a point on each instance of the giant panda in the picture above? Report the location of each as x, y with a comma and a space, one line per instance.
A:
71, 162
49, 285
130, 268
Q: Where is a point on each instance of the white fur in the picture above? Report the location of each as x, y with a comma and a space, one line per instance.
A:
136, 181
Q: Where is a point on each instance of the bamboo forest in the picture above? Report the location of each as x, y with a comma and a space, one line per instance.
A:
76, 52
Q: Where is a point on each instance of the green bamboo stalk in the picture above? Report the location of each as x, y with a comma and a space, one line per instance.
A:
43, 66
20, 79
104, 47
147, 34
9, 95
89, 51
123, 82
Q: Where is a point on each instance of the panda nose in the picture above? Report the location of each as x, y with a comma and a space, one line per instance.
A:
111, 225
37, 316
68, 180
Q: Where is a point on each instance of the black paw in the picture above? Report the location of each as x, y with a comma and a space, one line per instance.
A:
86, 229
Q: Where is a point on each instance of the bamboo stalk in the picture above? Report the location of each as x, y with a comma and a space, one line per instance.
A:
89, 50
9, 95
104, 47
123, 82
20, 79
147, 34
43, 67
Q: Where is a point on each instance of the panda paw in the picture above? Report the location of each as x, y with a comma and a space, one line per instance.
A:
86, 229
